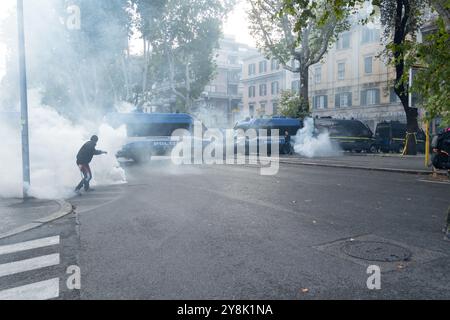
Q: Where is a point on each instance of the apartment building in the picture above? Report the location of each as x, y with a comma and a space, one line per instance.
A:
263, 80
351, 81
222, 97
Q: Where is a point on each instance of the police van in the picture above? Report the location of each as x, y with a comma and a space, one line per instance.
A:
279, 123
390, 137
150, 134
351, 135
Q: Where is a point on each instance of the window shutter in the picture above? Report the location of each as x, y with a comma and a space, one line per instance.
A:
337, 100
349, 99
325, 103
363, 97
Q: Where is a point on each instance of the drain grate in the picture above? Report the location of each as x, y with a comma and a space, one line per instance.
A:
376, 251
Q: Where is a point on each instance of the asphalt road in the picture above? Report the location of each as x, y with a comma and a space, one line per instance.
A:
225, 232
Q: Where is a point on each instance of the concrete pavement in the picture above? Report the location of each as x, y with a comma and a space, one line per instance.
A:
18, 215
375, 162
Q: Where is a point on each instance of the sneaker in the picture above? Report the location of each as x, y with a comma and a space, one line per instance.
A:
78, 192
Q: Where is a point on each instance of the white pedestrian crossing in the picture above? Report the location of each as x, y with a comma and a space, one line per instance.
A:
40, 290
29, 245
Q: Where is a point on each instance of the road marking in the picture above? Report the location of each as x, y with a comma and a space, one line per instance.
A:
429, 181
29, 264
28, 245
43, 290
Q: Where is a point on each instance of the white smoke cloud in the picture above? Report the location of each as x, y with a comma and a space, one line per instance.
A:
309, 144
54, 143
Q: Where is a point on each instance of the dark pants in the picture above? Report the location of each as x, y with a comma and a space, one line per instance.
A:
87, 176
287, 148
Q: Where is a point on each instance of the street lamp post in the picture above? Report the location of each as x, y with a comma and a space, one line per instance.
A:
23, 100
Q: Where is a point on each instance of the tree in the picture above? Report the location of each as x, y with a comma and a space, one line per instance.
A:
432, 83
401, 20
78, 71
276, 26
182, 39
291, 105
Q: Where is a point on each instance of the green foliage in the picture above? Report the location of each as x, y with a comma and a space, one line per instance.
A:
432, 82
183, 37
293, 105
301, 30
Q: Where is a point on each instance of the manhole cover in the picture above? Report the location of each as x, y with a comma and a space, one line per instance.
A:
376, 251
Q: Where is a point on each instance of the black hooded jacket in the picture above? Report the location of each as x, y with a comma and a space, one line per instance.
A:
87, 152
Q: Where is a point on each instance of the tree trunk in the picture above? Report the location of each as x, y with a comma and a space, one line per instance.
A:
412, 126
304, 94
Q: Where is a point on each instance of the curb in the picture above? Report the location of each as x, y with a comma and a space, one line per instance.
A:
343, 166
65, 208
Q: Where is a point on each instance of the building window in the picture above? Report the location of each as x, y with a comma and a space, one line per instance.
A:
341, 71
262, 90
344, 41
251, 110
318, 74
275, 108
275, 88
251, 69
210, 88
368, 64
393, 97
262, 108
370, 35
234, 76
370, 97
275, 65
295, 86
320, 102
251, 92
262, 66
343, 99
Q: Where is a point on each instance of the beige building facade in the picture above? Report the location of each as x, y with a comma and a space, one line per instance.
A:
351, 81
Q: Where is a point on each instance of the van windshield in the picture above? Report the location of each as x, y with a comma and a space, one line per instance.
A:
154, 129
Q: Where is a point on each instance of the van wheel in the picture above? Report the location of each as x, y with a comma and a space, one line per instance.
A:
373, 149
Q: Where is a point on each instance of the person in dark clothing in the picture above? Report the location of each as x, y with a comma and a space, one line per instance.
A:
84, 157
441, 149
287, 148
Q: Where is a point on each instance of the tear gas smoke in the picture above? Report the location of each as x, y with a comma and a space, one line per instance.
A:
54, 143
309, 144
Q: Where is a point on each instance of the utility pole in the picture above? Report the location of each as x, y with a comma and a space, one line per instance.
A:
23, 100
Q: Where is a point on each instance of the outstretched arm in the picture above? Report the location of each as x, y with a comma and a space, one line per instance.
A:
99, 152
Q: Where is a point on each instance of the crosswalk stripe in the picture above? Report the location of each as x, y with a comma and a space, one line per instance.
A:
29, 264
43, 290
28, 245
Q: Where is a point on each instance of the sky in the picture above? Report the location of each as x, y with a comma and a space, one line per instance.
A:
236, 25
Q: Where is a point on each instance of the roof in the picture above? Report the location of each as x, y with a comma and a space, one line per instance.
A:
271, 122
149, 118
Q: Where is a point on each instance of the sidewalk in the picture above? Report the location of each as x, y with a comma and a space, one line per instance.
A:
377, 162
17, 215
